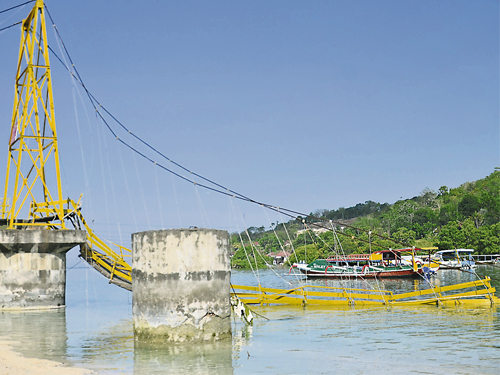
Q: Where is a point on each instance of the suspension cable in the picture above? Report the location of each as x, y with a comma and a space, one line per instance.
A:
8, 27
218, 187
16, 6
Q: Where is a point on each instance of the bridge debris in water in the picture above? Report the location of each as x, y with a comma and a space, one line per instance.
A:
474, 293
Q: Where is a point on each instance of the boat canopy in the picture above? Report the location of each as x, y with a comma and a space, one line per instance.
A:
468, 251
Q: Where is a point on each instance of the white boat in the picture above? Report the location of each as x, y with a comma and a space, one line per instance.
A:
455, 259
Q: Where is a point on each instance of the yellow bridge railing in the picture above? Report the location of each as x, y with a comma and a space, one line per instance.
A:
479, 292
101, 256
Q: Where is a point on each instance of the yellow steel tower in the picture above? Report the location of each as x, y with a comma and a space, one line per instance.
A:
33, 160
33, 157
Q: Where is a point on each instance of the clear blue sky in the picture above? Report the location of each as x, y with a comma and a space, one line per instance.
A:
300, 104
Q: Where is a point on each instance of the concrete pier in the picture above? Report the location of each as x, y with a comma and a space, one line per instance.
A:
33, 267
181, 285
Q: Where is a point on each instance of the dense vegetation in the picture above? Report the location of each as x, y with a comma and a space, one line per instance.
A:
464, 217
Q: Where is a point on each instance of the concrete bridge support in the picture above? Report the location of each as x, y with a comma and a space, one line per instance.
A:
33, 267
181, 285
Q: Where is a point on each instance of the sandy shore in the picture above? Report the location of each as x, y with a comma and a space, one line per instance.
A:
13, 363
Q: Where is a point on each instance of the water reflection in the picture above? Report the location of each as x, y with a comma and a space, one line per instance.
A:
39, 334
104, 348
373, 340
425, 339
199, 358
242, 337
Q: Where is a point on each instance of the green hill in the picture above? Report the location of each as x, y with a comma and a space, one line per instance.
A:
467, 216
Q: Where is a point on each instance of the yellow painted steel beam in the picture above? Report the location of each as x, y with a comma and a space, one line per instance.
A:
364, 297
33, 147
437, 290
459, 299
276, 290
100, 253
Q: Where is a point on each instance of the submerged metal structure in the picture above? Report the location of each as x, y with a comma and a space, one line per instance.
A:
473, 293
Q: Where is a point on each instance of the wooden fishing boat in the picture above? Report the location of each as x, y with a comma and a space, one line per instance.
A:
384, 264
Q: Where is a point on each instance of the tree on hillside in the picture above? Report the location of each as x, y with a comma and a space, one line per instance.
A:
405, 236
306, 253
489, 196
428, 198
400, 215
456, 235
448, 212
469, 205
242, 258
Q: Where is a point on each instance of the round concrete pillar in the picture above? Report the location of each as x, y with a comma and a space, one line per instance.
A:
181, 285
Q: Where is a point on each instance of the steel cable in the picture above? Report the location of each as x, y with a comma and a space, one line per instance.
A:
226, 191
8, 27
16, 6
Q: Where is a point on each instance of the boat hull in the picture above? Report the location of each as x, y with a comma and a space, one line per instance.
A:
372, 274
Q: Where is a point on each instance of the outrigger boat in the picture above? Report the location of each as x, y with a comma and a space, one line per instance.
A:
455, 259
384, 263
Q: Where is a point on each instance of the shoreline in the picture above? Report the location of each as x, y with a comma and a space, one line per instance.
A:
14, 363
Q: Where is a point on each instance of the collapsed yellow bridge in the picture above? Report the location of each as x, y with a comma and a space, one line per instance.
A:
33, 156
474, 293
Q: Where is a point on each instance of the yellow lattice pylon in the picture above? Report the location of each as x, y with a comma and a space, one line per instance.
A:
33, 157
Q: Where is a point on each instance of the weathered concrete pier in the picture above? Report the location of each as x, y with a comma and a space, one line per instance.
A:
181, 285
33, 267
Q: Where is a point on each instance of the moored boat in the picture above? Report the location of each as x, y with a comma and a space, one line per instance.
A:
385, 263
455, 259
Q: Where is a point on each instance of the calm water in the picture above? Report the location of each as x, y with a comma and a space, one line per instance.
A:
95, 332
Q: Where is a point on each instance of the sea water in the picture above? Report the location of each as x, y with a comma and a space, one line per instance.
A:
95, 331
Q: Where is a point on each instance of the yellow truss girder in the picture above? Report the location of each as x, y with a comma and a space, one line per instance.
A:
482, 293
33, 148
99, 254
